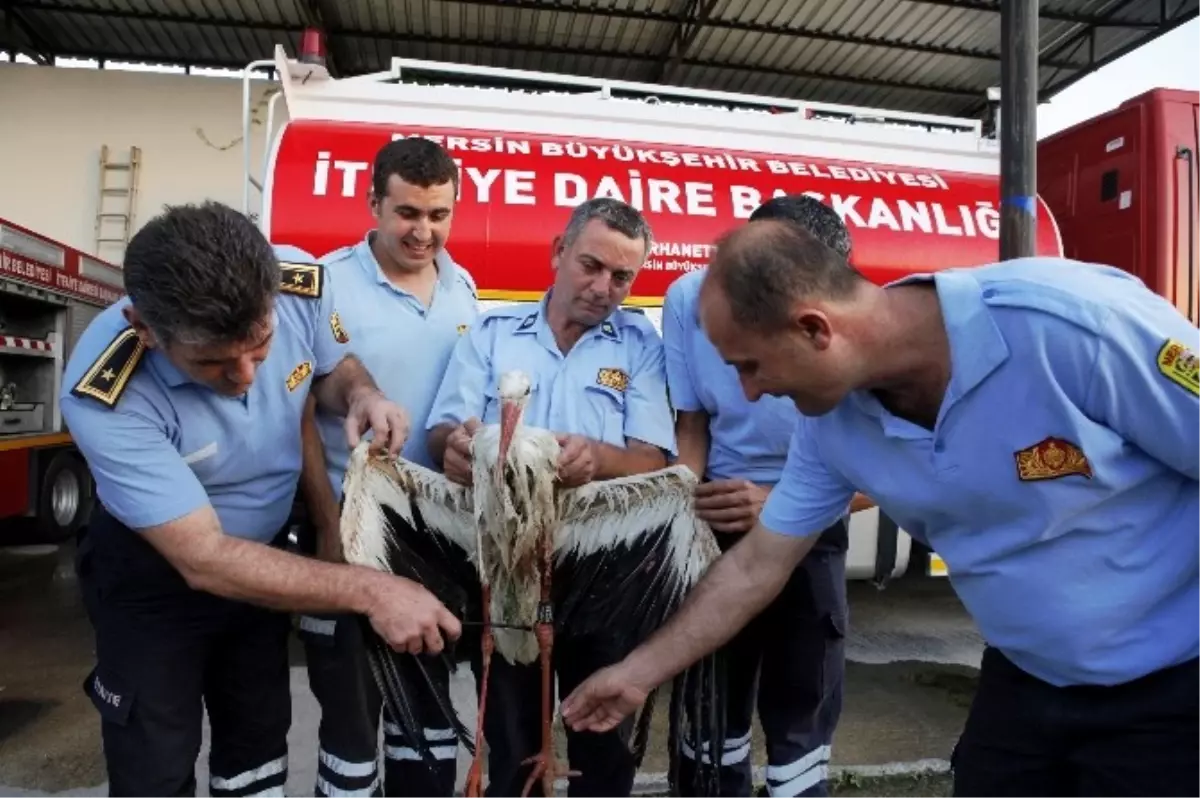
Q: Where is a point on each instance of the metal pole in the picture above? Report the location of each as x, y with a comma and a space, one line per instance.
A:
1018, 127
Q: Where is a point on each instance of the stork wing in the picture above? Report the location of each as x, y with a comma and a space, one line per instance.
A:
628, 551
404, 519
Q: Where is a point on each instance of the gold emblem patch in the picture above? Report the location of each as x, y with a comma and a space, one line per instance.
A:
1180, 365
302, 279
339, 332
1050, 459
299, 375
108, 377
616, 379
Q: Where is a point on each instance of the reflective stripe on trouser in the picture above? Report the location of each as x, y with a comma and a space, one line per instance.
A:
793, 655
266, 779
165, 653
340, 679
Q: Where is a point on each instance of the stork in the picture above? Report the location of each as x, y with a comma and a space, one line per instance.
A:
614, 556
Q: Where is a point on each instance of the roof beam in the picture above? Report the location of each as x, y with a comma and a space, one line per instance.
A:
38, 48
645, 15
695, 14
993, 7
539, 5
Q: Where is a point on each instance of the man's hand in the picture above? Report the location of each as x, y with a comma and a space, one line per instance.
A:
604, 699
730, 505
370, 409
410, 618
576, 460
456, 462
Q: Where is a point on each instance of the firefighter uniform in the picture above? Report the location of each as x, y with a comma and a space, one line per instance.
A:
794, 650
406, 345
611, 386
1059, 484
160, 447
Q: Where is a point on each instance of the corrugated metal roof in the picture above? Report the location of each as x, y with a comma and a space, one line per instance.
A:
936, 56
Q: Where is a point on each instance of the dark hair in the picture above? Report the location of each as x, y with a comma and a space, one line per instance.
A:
415, 160
616, 215
763, 267
201, 274
811, 214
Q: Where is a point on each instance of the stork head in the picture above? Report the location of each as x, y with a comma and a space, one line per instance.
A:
514, 390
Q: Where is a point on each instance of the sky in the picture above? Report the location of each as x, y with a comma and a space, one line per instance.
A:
1171, 61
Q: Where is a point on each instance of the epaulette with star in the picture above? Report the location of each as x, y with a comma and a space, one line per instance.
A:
301, 279
108, 377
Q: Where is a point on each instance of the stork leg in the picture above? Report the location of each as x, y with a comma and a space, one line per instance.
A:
474, 785
545, 765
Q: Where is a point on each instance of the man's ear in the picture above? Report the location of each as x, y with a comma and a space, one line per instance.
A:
556, 251
813, 326
135, 320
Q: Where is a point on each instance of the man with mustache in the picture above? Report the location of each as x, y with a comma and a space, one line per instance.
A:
406, 304
598, 380
1035, 422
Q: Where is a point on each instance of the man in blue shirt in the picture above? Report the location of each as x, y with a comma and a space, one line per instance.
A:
1034, 422
185, 398
791, 654
598, 380
406, 303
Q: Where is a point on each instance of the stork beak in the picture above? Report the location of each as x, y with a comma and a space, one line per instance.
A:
510, 416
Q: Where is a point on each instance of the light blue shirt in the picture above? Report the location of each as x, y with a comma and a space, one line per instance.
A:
1060, 481
404, 345
160, 446
609, 387
748, 440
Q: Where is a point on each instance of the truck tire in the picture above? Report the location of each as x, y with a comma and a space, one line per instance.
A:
64, 498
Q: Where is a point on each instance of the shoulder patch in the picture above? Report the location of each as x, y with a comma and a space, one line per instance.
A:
301, 279
1179, 365
108, 377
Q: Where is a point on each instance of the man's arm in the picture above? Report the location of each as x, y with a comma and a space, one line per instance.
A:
807, 499
350, 391
692, 435
460, 402
318, 493
146, 485
336, 391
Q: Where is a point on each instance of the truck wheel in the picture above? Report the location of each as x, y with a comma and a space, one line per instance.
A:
64, 498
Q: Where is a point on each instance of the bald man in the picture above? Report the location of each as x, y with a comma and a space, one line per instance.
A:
1034, 422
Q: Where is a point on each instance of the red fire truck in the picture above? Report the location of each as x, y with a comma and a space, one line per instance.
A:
918, 192
49, 292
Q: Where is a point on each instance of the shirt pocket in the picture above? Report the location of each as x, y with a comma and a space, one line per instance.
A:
604, 418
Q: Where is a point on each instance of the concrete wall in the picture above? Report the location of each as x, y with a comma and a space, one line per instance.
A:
57, 119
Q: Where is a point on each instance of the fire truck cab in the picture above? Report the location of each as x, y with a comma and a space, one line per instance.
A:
49, 292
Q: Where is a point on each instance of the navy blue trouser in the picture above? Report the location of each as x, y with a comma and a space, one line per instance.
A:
164, 653
1026, 737
340, 679
513, 729
789, 661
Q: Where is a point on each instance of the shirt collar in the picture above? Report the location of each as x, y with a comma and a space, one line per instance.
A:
536, 320
446, 267
977, 347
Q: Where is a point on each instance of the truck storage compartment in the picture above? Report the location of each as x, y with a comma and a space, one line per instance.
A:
27, 386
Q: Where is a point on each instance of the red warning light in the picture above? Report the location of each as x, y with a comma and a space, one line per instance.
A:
312, 47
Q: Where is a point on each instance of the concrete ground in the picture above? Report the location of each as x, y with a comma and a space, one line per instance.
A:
913, 655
